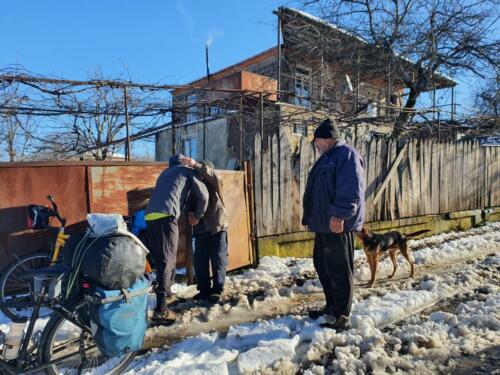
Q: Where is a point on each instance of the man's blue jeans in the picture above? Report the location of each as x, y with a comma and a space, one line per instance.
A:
210, 250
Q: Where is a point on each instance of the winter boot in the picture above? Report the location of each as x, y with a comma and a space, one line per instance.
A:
343, 323
166, 317
201, 296
315, 314
214, 297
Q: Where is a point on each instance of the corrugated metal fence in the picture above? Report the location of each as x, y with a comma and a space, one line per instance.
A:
105, 187
420, 178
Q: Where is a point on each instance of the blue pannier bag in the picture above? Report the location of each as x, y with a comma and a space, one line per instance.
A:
119, 317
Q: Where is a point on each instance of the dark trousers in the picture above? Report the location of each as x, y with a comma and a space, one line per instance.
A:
334, 262
163, 237
210, 250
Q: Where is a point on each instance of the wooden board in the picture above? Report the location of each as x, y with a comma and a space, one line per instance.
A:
275, 176
267, 202
257, 168
285, 184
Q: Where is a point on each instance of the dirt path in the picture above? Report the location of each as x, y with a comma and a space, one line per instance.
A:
241, 308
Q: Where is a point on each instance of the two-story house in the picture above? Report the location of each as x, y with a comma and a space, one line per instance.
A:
315, 70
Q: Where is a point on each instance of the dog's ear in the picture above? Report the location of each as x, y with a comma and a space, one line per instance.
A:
363, 233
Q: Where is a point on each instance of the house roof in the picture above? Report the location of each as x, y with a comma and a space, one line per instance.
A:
273, 51
446, 80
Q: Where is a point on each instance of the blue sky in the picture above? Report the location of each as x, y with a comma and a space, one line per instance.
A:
147, 41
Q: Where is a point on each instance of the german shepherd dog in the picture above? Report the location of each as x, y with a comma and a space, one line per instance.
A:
376, 244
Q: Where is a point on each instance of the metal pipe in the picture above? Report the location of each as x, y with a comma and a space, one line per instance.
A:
206, 62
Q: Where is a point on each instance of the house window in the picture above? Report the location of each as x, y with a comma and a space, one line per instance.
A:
216, 111
372, 109
303, 87
192, 109
299, 128
191, 146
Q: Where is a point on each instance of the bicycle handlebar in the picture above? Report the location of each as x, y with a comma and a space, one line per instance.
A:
62, 220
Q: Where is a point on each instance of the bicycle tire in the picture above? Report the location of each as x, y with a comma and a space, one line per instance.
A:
13, 288
60, 328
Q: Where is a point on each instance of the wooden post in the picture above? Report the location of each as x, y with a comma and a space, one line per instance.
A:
241, 132
452, 103
257, 184
249, 188
321, 68
204, 130
357, 82
127, 144
434, 102
174, 148
279, 58
261, 97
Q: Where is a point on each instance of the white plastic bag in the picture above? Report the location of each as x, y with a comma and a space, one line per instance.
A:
103, 224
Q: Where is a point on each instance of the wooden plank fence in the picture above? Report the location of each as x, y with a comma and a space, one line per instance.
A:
422, 177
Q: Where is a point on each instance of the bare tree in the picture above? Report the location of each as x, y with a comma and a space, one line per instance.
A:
86, 121
488, 97
86, 129
487, 101
420, 39
16, 131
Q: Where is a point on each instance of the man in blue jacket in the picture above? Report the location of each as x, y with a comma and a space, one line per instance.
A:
334, 209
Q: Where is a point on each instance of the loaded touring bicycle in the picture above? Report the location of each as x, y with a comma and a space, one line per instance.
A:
87, 298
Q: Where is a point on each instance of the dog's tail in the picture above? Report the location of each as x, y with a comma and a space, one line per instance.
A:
418, 233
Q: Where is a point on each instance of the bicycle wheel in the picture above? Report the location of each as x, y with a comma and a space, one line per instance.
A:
14, 290
74, 350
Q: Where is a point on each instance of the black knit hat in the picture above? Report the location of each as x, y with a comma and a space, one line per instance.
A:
327, 129
174, 160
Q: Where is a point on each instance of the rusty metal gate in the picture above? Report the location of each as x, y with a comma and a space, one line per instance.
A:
105, 187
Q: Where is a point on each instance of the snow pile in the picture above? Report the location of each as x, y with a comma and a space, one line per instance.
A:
416, 326
419, 344
287, 344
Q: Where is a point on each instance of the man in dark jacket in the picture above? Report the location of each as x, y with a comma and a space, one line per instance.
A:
210, 235
162, 212
334, 209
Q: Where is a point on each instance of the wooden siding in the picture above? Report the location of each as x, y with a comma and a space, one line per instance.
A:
420, 178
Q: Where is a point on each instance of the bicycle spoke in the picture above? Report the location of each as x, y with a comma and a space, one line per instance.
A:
16, 291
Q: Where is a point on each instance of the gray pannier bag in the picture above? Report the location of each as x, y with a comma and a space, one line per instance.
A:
108, 256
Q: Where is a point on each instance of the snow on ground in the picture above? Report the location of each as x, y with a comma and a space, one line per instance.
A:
4, 323
420, 326
389, 334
